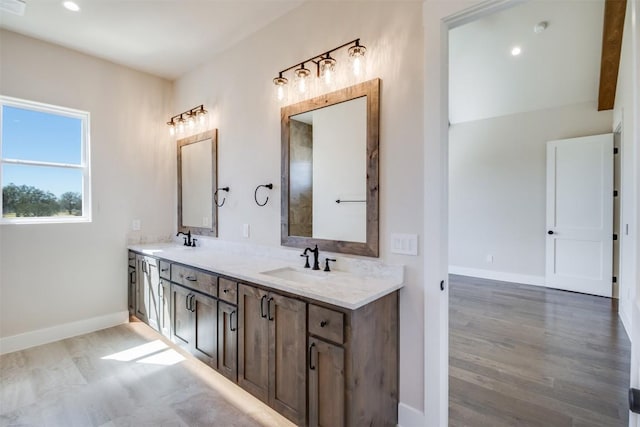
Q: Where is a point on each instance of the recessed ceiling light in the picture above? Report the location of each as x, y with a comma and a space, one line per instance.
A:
72, 6
516, 51
540, 27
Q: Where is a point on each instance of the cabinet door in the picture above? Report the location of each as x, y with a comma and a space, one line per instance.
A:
165, 308
326, 384
287, 357
253, 342
142, 291
152, 285
205, 329
131, 291
181, 321
228, 340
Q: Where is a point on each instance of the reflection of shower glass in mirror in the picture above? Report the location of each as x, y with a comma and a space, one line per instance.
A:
327, 164
197, 183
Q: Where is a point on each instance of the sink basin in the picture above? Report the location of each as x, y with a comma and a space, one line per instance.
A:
297, 275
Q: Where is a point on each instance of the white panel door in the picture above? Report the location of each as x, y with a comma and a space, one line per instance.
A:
579, 247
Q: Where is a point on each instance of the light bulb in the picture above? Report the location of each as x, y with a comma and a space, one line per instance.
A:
356, 66
191, 121
202, 117
301, 74
172, 129
281, 87
356, 53
180, 128
327, 66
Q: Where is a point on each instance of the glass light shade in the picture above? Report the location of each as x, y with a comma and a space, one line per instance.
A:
172, 128
356, 53
180, 127
281, 87
191, 120
202, 117
302, 77
327, 68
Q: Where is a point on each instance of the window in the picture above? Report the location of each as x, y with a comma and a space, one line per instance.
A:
44, 163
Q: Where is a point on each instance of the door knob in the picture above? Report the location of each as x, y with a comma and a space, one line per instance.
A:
550, 232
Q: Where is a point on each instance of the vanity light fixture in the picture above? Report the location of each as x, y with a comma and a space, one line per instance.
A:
178, 123
325, 68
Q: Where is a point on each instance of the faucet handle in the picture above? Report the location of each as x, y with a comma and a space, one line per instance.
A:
326, 263
185, 241
306, 262
193, 242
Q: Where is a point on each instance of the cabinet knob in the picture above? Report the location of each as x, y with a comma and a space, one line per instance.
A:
225, 290
323, 323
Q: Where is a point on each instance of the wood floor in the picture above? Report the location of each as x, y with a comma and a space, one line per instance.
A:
122, 376
529, 356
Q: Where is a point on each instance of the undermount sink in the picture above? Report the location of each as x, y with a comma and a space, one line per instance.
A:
297, 275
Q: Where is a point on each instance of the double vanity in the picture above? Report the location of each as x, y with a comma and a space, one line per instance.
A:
319, 347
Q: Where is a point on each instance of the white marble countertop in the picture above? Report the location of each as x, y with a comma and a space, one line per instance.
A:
344, 289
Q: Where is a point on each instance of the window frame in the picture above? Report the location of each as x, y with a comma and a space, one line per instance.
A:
84, 165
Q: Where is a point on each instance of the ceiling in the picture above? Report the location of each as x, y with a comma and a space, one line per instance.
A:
162, 37
559, 66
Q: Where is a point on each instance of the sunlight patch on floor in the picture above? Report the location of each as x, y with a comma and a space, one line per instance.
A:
154, 353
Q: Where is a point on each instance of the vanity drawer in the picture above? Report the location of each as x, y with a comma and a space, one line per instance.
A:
326, 323
132, 259
228, 291
194, 279
165, 270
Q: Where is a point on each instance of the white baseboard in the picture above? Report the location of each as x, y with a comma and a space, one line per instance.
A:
626, 323
60, 332
410, 417
498, 275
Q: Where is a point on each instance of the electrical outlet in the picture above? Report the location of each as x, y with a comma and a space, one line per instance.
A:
489, 258
245, 231
205, 221
136, 225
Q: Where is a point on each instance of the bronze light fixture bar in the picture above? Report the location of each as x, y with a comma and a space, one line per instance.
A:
178, 122
325, 66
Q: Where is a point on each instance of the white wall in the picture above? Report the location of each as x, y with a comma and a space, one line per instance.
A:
236, 87
340, 171
56, 274
497, 188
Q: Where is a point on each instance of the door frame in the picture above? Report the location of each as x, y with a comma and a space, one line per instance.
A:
439, 16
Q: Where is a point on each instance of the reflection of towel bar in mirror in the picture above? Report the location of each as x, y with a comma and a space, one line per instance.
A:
215, 196
350, 201
255, 194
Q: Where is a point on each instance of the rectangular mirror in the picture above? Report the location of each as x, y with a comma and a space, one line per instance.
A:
197, 171
330, 171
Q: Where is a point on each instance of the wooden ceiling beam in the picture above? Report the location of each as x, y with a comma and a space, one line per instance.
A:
614, 11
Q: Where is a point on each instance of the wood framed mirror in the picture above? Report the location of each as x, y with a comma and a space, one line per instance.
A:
330, 171
197, 181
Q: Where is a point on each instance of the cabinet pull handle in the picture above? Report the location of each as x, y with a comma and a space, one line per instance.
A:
193, 308
311, 366
231, 328
191, 278
323, 323
164, 269
186, 300
264, 297
269, 308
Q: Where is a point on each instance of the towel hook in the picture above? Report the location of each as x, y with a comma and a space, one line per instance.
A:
255, 193
215, 196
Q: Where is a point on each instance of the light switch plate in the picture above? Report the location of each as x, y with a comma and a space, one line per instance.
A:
135, 225
245, 231
404, 244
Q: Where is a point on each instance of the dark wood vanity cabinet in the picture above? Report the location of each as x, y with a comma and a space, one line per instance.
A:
315, 363
272, 350
194, 321
228, 329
